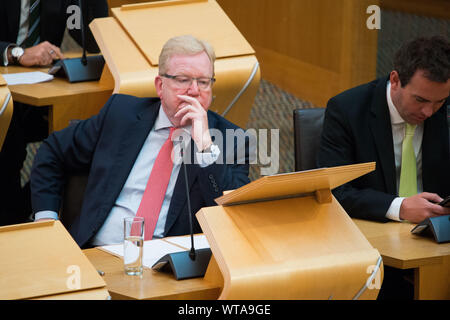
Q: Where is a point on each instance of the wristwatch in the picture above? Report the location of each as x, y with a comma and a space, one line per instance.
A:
211, 149
208, 156
16, 53
207, 150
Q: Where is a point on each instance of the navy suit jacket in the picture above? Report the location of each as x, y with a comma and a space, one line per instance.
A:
107, 146
53, 21
357, 129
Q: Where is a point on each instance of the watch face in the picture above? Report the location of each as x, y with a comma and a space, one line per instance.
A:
17, 52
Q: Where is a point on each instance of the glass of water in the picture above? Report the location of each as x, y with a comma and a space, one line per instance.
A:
133, 245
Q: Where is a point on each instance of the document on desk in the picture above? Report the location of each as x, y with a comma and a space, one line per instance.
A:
153, 251
27, 78
200, 241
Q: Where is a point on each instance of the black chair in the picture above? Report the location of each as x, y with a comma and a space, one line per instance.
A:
73, 198
6, 111
448, 121
307, 131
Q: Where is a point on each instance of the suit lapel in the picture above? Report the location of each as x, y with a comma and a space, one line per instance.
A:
53, 17
13, 9
131, 144
434, 154
380, 125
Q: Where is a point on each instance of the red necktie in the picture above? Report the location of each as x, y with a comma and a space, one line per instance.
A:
156, 187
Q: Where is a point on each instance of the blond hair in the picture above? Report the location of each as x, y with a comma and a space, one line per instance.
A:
184, 45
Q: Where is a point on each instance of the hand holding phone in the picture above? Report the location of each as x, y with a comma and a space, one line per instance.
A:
445, 202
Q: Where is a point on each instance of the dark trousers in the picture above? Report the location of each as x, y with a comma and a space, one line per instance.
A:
397, 284
28, 124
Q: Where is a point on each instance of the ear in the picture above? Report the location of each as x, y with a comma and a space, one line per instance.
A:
394, 78
158, 85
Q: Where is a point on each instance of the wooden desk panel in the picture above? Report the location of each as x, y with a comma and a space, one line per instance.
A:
403, 250
40, 260
398, 247
152, 285
68, 101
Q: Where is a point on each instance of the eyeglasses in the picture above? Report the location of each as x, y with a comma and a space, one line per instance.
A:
184, 82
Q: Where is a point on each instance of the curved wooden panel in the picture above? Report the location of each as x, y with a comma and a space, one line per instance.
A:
41, 259
288, 249
131, 72
6, 110
287, 237
204, 19
295, 184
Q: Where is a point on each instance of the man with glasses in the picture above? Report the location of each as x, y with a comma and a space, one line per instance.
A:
128, 151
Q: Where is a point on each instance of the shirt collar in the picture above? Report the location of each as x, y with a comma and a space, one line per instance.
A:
162, 122
395, 116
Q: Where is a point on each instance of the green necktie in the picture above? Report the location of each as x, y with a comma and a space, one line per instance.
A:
33, 36
408, 171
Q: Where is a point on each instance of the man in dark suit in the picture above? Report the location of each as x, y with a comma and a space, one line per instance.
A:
118, 148
399, 122
15, 18
368, 123
31, 32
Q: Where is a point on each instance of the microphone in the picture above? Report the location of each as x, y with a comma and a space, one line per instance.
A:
86, 68
83, 35
185, 264
186, 184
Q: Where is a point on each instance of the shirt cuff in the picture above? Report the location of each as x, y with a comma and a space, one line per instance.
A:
206, 159
5, 54
47, 214
393, 212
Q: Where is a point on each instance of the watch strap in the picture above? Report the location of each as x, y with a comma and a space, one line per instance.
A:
15, 58
5, 54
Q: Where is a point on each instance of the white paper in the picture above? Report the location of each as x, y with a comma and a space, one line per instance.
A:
153, 251
27, 77
200, 241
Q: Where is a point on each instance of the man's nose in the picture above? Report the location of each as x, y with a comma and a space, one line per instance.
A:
427, 111
193, 88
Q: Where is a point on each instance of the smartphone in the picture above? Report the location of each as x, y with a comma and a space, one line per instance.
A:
445, 202
56, 66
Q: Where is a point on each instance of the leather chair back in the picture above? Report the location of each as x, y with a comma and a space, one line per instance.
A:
308, 125
73, 198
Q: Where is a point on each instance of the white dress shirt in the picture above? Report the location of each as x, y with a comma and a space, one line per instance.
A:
398, 134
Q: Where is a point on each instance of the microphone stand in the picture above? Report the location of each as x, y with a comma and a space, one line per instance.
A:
80, 69
185, 264
83, 35
191, 228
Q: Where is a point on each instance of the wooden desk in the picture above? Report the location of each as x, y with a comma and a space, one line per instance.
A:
152, 285
68, 101
398, 247
403, 250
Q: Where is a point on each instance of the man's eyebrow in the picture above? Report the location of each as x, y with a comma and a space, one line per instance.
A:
426, 100
421, 98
